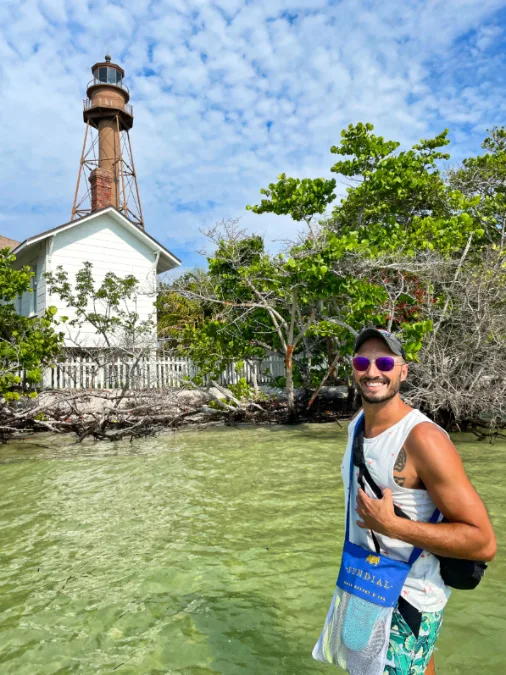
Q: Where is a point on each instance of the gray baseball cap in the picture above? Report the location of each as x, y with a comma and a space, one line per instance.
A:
392, 341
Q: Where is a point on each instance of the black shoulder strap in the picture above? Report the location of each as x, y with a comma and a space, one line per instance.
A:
358, 460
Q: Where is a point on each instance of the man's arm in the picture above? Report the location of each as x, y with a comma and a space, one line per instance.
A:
469, 533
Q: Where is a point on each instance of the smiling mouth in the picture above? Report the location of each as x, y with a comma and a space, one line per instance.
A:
374, 385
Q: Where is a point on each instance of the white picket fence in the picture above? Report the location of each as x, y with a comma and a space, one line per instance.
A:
80, 372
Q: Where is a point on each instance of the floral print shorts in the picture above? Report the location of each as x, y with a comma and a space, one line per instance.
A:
408, 655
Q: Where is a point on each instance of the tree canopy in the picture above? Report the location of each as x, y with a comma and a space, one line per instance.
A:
27, 344
391, 251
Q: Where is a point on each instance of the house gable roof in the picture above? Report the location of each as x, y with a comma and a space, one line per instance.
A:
5, 242
166, 259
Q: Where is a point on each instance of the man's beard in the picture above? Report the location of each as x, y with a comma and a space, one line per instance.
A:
387, 393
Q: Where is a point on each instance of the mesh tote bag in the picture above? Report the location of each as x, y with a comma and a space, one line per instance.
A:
356, 633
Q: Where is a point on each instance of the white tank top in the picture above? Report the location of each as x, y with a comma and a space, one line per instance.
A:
424, 587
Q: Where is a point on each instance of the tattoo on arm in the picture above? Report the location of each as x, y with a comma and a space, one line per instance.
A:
400, 462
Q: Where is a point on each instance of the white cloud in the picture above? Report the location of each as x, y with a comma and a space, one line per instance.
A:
486, 36
229, 93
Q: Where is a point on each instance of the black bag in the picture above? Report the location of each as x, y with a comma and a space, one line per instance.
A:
455, 572
461, 574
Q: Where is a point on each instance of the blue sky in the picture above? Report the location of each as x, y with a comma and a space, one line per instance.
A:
227, 94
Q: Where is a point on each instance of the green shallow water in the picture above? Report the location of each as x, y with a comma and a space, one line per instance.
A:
201, 552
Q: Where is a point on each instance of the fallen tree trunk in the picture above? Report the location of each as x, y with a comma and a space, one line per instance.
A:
105, 415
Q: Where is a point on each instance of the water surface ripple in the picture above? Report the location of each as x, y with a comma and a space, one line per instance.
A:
201, 552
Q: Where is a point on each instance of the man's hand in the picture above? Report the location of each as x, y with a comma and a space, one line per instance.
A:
376, 514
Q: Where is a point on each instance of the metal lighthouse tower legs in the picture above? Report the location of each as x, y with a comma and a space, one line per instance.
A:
106, 171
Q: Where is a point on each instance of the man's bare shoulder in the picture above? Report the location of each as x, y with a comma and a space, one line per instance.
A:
427, 430
428, 441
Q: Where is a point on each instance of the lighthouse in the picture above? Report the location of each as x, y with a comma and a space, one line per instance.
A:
106, 171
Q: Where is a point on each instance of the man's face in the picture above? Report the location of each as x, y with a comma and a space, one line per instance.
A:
376, 386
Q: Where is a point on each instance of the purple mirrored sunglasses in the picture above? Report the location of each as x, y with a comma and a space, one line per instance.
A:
383, 363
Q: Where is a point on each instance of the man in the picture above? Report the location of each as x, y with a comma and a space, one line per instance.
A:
417, 466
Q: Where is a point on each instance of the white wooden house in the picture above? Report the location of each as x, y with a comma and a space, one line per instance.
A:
112, 243
108, 240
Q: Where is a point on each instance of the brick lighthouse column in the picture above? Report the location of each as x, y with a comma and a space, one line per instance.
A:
101, 183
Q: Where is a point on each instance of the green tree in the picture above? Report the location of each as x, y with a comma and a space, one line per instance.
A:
108, 307
299, 198
216, 343
269, 303
401, 202
106, 326
399, 215
375, 259
482, 180
398, 220
195, 327
27, 344
176, 313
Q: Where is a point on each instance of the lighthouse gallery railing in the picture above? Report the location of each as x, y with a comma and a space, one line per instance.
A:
107, 103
